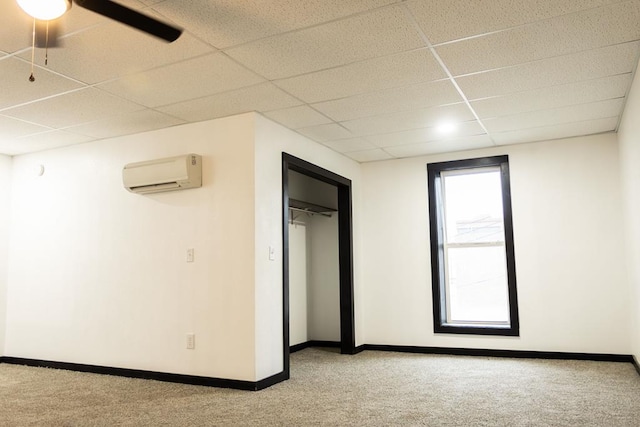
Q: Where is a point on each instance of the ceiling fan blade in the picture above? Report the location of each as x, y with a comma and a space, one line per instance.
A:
132, 18
47, 33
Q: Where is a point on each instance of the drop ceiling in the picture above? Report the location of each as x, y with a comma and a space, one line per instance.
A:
372, 79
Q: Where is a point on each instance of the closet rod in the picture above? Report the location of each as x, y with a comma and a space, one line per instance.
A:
310, 212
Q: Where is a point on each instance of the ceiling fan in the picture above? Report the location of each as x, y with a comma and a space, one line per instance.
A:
49, 10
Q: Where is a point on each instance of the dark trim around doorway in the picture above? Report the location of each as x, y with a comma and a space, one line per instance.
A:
345, 250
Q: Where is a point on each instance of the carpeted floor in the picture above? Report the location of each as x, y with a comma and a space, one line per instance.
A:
369, 389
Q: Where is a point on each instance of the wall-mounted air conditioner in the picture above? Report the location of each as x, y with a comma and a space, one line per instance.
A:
169, 174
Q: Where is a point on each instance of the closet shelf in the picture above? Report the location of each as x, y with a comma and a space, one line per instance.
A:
310, 208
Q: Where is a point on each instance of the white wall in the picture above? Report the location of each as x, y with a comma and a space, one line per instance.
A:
99, 276
629, 140
298, 283
271, 140
5, 192
573, 294
324, 280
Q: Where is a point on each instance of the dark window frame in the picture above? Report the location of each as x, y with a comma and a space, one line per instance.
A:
436, 223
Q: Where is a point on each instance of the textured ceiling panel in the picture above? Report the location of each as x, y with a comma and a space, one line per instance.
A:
446, 20
609, 61
351, 144
555, 132
326, 132
15, 27
406, 120
127, 124
564, 35
443, 146
330, 45
193, 78
298, 117
417, 136
359, 77
369, 155
17, 89
393, 71
113, 50
390, 100
262, 97
13, 128
556, 116
81, 106
554, 96
226, 23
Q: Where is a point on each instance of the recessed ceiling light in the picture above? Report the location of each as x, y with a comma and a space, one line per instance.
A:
446, 128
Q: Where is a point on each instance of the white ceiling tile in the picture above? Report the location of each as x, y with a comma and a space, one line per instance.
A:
577, 67
445, 20
74, 21
565, 130
147, 2
328, 132
386, 101
13, 128
79, 18
361, 64
330, 45
555, 116
15, 27
17, 89
563, 35
192, 78
554, 96
262, 97
113, 50
225, 23
46, 141
391, 71
351, 144
298, 117
416, 136
415, 119
369, 155
412, 136
127, 124
443, 146
73, 108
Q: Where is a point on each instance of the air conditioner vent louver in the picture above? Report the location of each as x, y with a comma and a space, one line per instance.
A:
168, 174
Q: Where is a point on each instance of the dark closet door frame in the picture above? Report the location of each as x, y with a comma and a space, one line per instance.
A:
345, 250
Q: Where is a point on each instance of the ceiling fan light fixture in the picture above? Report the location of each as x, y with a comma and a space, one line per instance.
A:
45, 10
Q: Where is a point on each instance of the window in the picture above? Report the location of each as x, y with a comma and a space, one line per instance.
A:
472, 257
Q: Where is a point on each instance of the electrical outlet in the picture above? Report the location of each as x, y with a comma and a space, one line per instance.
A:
191, 341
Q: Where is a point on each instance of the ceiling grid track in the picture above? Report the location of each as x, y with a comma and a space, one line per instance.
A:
444, 67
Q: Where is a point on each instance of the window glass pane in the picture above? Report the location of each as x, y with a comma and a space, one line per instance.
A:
477, 284
473, 206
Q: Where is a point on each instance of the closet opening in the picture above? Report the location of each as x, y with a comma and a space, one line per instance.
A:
318, 296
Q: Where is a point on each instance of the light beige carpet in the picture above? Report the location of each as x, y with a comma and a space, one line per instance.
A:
369, 389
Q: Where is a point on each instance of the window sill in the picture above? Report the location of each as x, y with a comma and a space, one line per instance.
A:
509, 331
